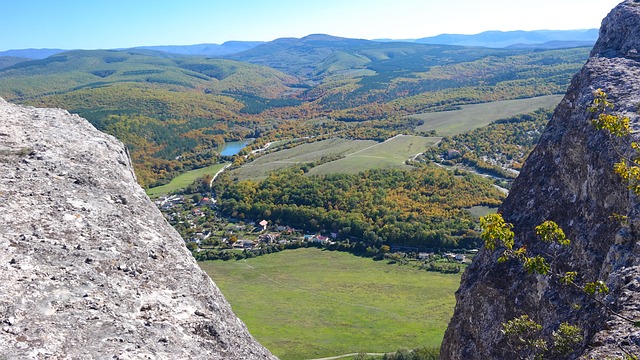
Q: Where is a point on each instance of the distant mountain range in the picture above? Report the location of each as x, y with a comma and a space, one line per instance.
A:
519, 39
541, 39
228, 48
31, 53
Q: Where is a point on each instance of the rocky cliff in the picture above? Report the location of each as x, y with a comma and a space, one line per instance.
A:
89, 267
569, 179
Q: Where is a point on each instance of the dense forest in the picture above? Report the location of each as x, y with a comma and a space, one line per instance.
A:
423, 207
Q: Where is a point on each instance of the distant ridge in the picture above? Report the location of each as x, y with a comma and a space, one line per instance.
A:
35, 54
227, 48
549, 45
500, 39
542, 39
6, 61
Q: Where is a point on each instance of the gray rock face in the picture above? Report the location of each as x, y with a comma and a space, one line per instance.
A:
569, 179
89, 269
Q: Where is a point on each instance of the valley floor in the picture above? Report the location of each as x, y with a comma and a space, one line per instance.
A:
310, 303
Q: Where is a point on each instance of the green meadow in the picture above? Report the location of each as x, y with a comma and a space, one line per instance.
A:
310, 152
448, 123
184, 180
358, 155
391, 153
310, 303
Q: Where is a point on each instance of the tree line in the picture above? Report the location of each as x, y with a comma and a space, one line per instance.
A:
422, 207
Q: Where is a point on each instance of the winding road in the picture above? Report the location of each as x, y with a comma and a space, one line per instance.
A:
218, 173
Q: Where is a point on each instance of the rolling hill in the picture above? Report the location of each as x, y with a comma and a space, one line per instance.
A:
173, 110
81, 69
317, 56
6, 61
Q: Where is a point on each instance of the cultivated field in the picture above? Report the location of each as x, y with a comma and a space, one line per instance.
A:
261, 167
391, 153
447, 123
359, 155
309, 303
184, 180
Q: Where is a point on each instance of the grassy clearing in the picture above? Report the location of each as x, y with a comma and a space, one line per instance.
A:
360, 155
478, 211
391, 153
261, 167
448, 123
309, 303
184, 180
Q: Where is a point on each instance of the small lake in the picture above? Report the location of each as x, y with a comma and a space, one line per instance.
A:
233, 147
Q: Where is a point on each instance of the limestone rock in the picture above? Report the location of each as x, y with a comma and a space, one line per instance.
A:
569, 179
88, 266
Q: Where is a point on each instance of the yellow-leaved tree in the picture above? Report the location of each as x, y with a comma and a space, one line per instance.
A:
523, 334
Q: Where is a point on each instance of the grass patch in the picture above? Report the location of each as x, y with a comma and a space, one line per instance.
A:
449, 123
309, 303
262, 166
184, 180
478, 211
360, 155
391, 153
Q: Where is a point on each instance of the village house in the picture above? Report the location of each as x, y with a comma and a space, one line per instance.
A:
243, 244
319, 239
268, 238
206, 201
455, 257
169, 202
263, 224
452, 154
285, 229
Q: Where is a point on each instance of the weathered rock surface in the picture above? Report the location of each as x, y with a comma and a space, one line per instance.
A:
569, 179
89, 269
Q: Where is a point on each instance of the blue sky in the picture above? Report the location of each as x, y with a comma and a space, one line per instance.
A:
94, 24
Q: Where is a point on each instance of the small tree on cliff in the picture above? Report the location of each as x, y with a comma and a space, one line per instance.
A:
523, 334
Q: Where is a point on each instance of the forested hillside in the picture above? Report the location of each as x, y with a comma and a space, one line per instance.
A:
423, 207
174, 111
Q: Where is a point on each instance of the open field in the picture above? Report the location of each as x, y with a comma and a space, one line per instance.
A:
309, 303
448, 123
262, 166
184, 180
479, 211
360, 155
387, 154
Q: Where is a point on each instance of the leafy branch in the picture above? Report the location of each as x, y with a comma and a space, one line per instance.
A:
522, 333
